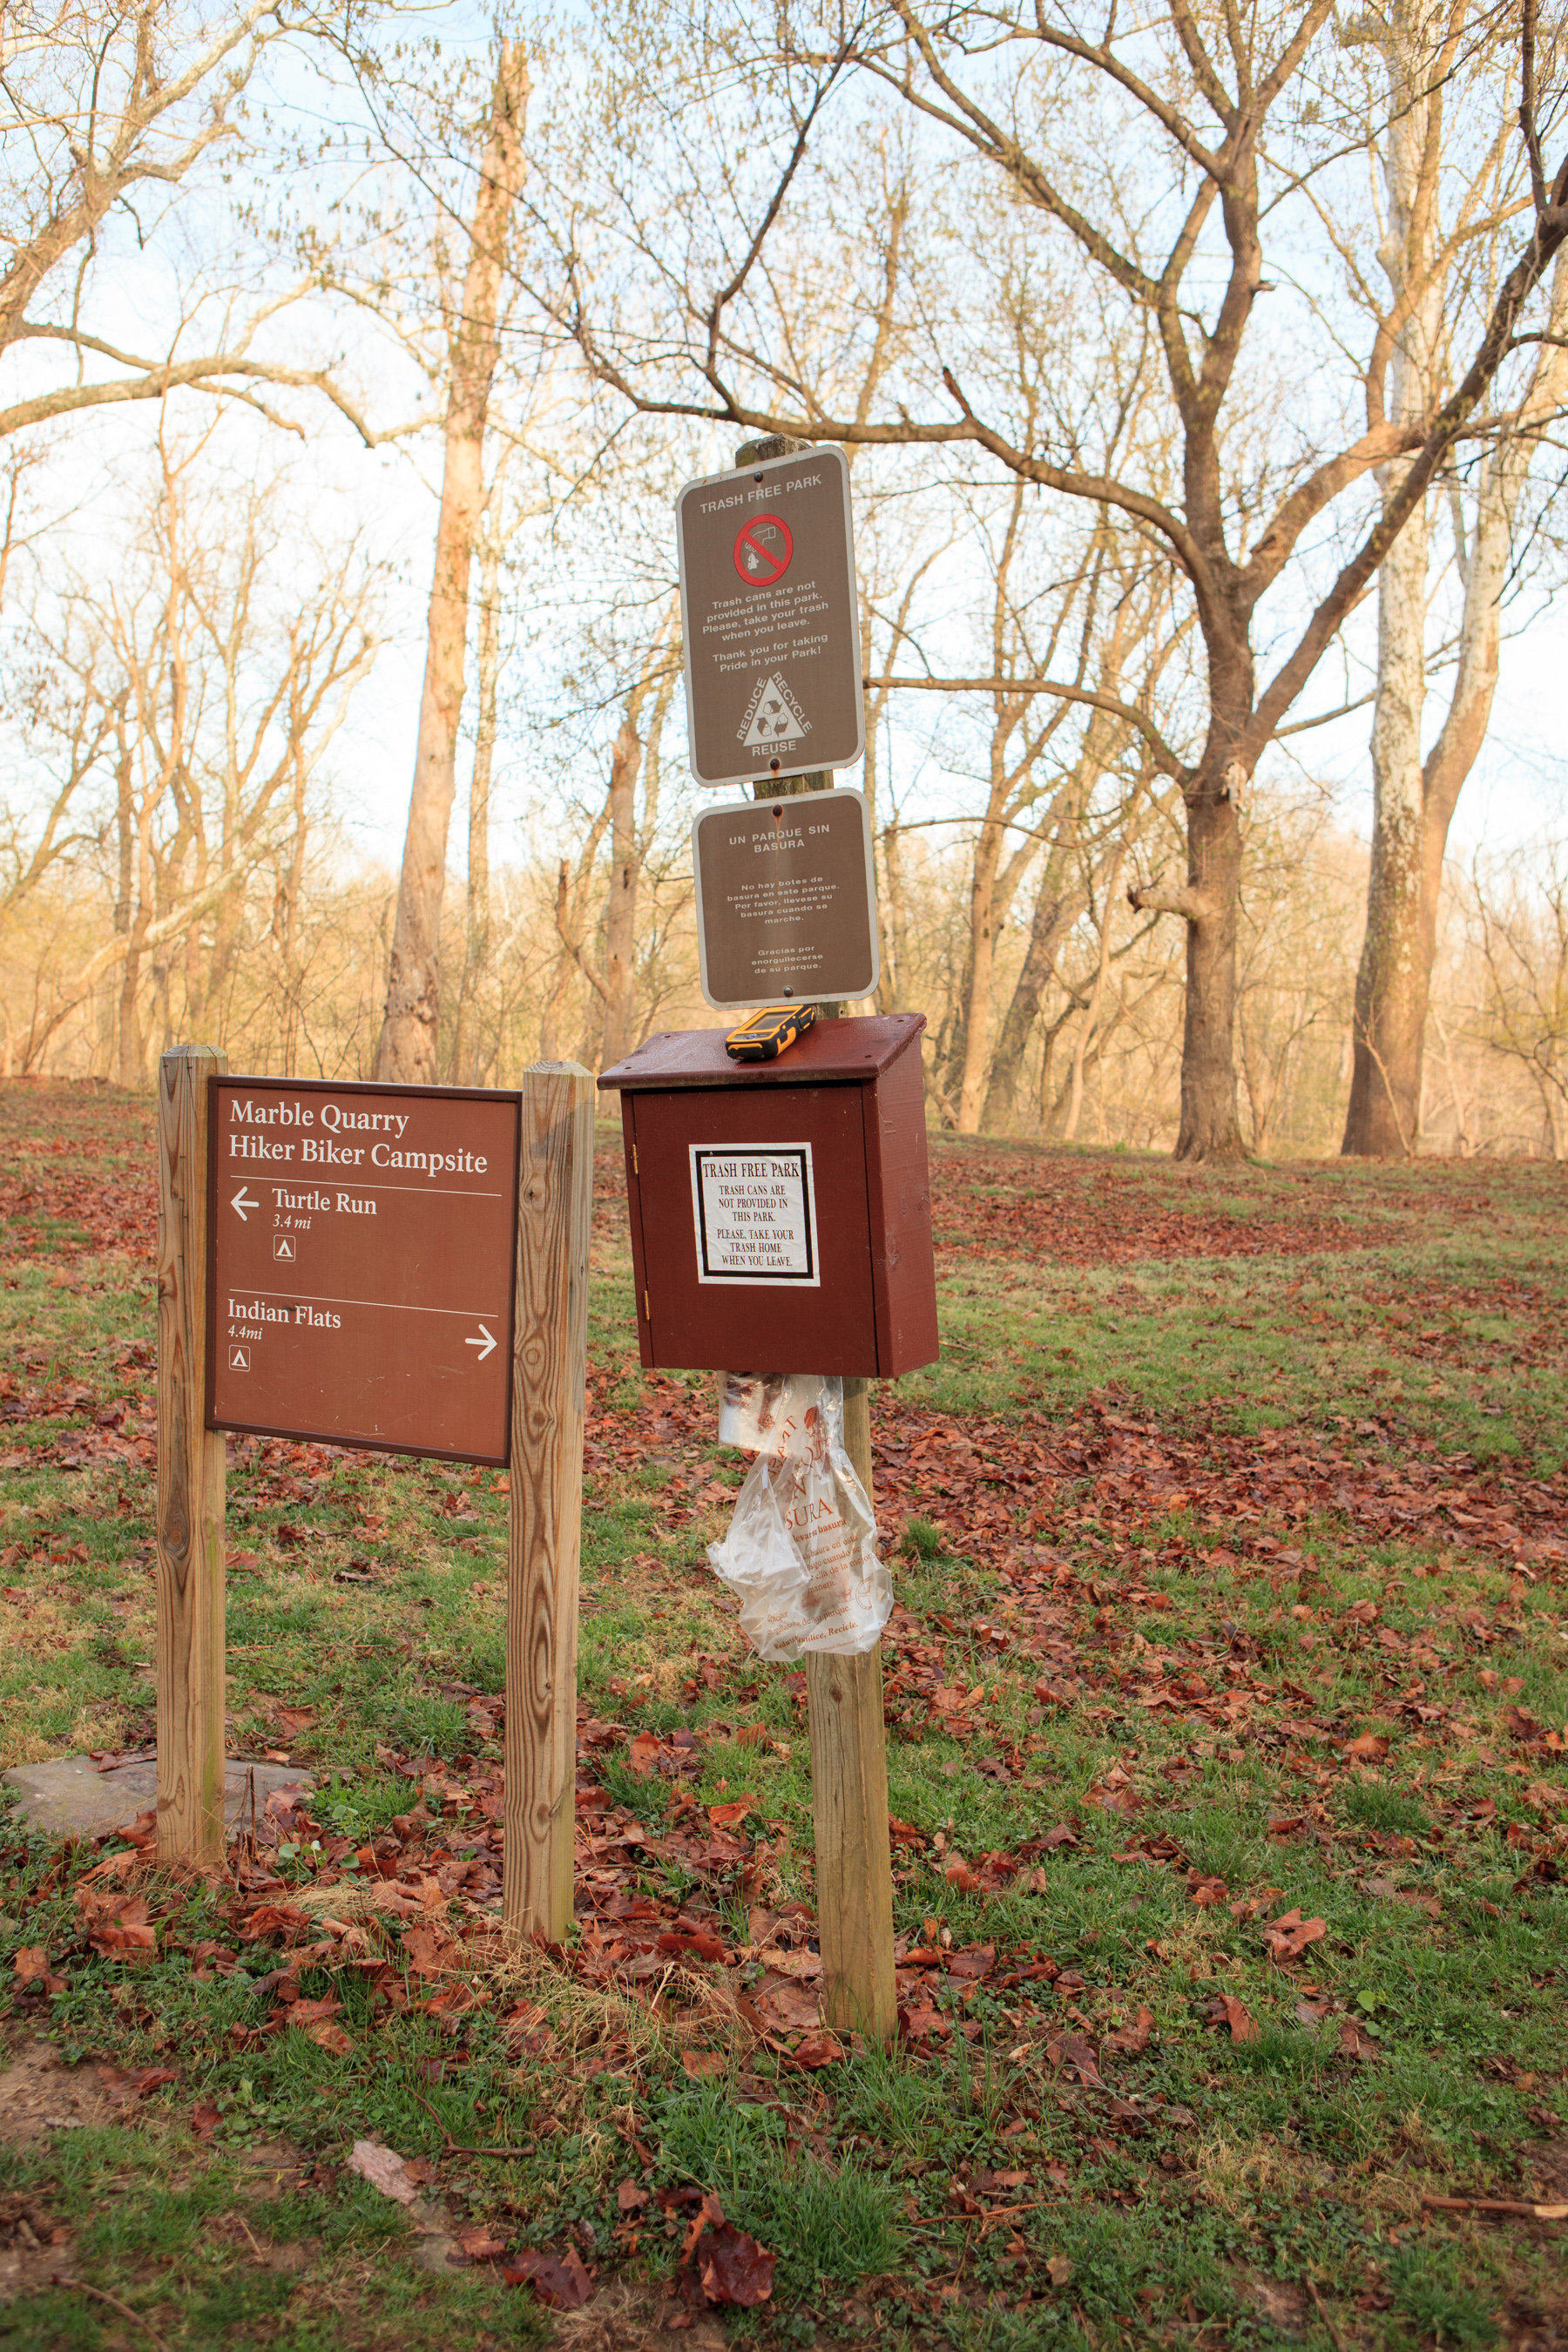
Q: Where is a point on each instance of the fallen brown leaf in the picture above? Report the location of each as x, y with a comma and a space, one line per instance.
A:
558, 2280
478, 2245
1070, 2053
817, 2050
1288, 1936
733, 2268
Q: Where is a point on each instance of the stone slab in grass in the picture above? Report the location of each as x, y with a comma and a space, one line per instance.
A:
70, 1796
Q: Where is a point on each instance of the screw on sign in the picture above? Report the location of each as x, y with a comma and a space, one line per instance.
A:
770, 617
763, 550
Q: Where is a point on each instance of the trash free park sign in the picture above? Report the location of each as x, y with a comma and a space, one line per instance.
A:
771, 620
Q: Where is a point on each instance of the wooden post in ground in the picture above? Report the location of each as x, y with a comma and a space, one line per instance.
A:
190, 1509
844, 1702
849, 1809
549, 1365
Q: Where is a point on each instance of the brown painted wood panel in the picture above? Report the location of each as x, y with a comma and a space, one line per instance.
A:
827, 1326
871, 1309
898, 1186
361, 1244
857, 1050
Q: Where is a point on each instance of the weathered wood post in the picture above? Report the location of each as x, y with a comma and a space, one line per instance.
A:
844, 1700
190, 1505
849, 1807
549, 1362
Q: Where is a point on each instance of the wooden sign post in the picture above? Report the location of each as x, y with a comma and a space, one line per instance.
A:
849, 1813
849, 1807
189, 1508
363, 1237
550, 1361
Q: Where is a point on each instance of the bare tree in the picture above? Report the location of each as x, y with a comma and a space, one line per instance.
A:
612, 973
1197, 96
1435, 236
1522, 913
190, 704
109, 112
409, 1050
467, 1058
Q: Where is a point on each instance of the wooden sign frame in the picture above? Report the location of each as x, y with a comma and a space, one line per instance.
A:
548, 1354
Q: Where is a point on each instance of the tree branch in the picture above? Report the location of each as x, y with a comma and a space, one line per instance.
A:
1193, 905
1165, 759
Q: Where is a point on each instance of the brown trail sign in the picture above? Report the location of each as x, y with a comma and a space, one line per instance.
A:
362, 1244
403, 1267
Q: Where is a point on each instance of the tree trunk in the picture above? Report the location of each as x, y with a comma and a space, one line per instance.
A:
1392, 980
980, 968
1414, 802
890, 914
133, 1057
1396, 964
621, 911
409, 1038
1210, 1128
1058, 906
1096, 995
466, 1060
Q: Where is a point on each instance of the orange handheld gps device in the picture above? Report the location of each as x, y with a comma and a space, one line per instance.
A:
770, 1033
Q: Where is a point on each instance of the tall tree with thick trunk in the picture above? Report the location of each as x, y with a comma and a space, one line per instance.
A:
1413, 799
408, 1053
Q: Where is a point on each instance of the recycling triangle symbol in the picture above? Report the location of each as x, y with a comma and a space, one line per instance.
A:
773, 717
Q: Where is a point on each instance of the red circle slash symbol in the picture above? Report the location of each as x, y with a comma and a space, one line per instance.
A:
764, 550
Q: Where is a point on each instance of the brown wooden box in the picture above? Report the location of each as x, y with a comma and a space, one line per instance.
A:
840, 1278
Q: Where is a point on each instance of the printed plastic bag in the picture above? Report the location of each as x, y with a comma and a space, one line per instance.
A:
801, 1553
748, 1409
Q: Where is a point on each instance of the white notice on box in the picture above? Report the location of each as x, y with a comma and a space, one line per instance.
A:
756, 1213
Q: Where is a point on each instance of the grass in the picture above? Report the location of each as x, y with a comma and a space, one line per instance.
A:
1226, 1479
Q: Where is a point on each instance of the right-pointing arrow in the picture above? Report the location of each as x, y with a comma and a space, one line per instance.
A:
484, 1345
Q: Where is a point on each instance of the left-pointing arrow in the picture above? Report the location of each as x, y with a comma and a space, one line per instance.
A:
241, 1202
484, 1345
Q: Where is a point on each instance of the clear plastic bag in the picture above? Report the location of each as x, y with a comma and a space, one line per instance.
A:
801, 1553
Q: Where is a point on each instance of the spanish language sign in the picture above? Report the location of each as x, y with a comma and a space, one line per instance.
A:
786, 909
754, 1207
362, 1246
771, 620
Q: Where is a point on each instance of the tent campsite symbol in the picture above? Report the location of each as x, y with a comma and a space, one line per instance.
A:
773, 717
